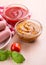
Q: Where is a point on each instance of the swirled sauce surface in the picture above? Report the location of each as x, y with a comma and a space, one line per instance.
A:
16, 12
28, 28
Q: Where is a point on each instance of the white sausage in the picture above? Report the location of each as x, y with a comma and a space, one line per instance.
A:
5, 34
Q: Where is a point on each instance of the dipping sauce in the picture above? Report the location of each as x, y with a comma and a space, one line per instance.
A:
15, 13
28, 30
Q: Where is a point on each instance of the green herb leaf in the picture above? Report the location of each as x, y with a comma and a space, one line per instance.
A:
17, 57
4, 55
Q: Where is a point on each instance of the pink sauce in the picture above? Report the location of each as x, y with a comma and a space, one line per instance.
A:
14, 14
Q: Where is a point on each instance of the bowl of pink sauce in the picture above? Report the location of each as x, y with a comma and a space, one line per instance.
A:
15, 13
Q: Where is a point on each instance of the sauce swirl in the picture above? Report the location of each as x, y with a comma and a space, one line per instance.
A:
28, 28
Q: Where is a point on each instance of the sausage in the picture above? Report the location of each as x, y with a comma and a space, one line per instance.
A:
2, 23
2, 26
5, 34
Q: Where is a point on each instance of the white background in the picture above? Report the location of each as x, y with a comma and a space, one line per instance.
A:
34, 53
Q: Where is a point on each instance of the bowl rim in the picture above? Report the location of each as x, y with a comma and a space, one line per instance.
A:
41, 28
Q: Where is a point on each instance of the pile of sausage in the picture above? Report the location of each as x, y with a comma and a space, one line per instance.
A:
4, 30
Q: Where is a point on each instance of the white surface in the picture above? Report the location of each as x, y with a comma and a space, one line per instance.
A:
34, 53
